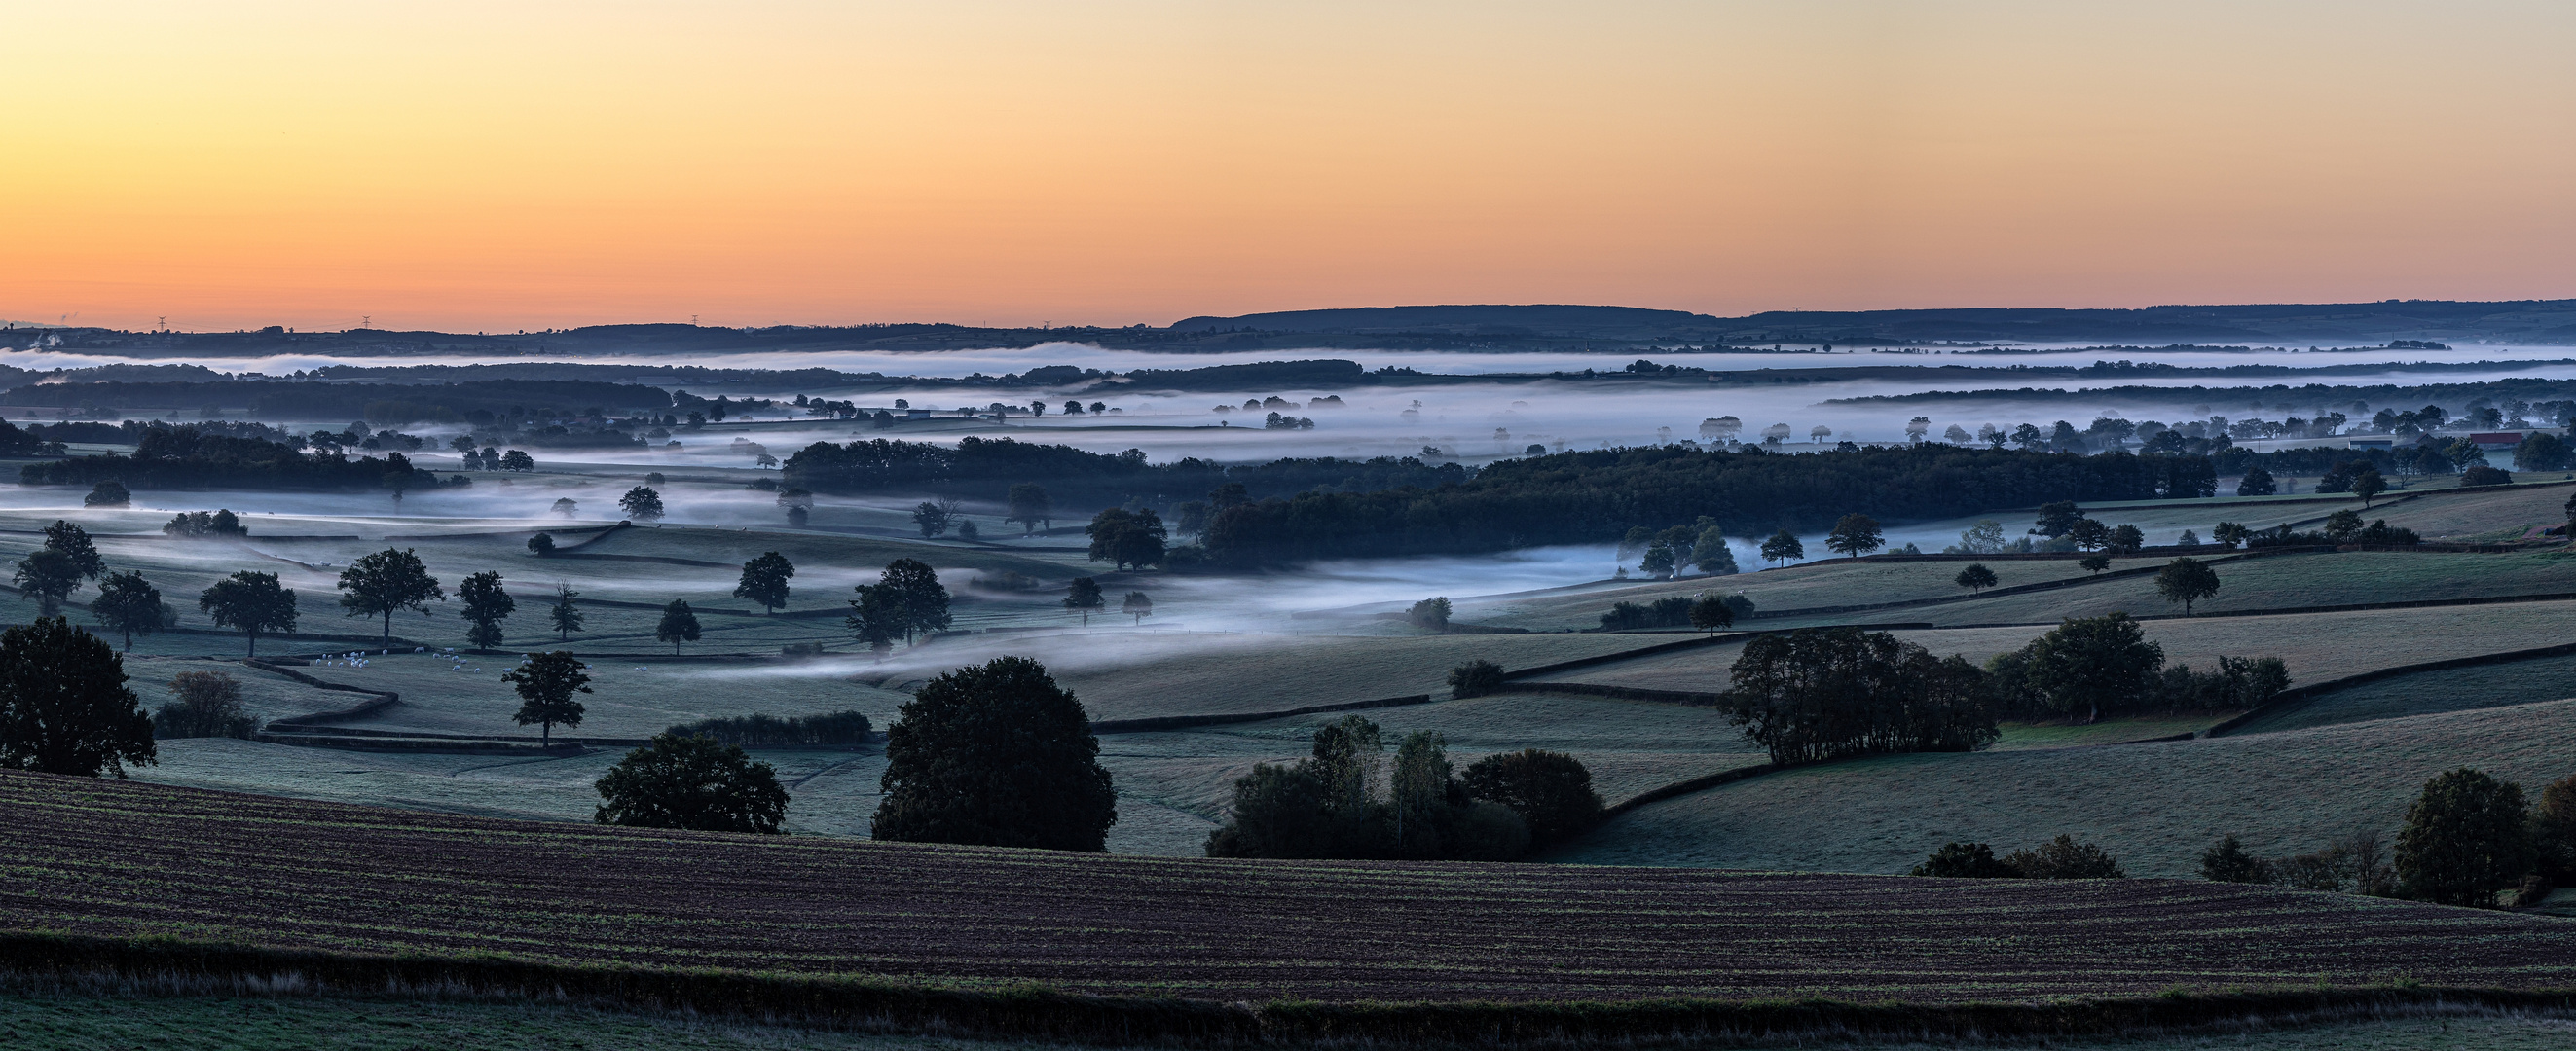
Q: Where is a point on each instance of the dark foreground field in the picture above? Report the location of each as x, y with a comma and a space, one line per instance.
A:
103, 858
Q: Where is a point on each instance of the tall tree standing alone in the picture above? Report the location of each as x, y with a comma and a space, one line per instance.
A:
641, 503
250, 603
678, 625
1782, 547
1975, 578
64, 707
546, 683
2466, 838
386, 582
129, 604
2186, 581
1083, 596
486, 606
918, 596
2368, 484
566, 616
1855, 535
74, 543
1137, 605
764, 580
996, 755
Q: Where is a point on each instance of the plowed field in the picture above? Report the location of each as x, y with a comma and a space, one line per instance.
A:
127, 859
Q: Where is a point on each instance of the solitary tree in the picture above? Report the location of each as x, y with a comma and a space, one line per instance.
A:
1083, 597
1710, 613
917, 596
207, 704
110, 493
2466, 838
764, 580
1782, 547
546, 683
1975, 578
2186, 581
997, 755
1475, 678
1138, 606
130, 605
541, 545
386, 582
1430, 613
2094, 564
2230, 535
567, 507
931, 516
641, 503
1855, 535
678, 625
250, 603
50, 576
2089, 534
1030, 506
2368, 484
486, 606
566, 616
692, 782
2126, 540
64, 707
2257, 482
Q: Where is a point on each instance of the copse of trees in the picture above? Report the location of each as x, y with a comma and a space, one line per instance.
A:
2090, 667
996, 755
64, 705
1828, 693
835, 730
692, 782
1551, 791
2467, 837
987, 469
2062, 858
1124, 538
1332, 805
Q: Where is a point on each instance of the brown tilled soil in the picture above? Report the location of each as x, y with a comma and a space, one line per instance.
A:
109, 858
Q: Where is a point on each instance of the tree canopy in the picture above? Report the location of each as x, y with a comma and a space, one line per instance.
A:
996, 754
131, 606
387, 582
546, 683
1826, 693
2466, 838
764, 580
678, 625
692, 782
641, 504
250, 603
64, 706
2186, 580
487, 604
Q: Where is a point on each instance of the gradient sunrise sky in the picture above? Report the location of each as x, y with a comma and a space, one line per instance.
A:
494, 166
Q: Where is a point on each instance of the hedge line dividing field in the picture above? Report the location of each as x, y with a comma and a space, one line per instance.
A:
179, 967
122, 860
2297, 696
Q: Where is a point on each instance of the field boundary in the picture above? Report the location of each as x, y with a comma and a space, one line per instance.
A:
1040, 1013
1150, 724
2298, 697
378, 701
2017, 589
1624, 693
2286, 611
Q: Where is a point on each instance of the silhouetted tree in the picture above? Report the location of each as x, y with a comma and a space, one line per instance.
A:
764, 580
487, 604
208, 704
1965, 861
641, 503
995, 755
1711, 614
130, 605
1975, 578
541, 545
1029, 506
1083, 596
2064, 858
920, 600
2368, 484
1430, 613
64, 707
2227, 862
546, 683
565, 616
692, 782
1782, 547
2256, 482
678, 625
2093, 564
2186, 580
48, 575
931, 517
2467, 837
1124, 538
386, 582
1855, 535
1475, 678
1551, 791
1137, 605
250, 603
2087, 664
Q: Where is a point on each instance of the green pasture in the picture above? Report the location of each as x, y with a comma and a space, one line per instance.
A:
1811, 585
2421, 693
2154, 806
78, 1021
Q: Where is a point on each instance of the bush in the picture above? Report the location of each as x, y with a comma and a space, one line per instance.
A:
1278, 812
209, 705
1965, 861
109, 493
2064, 858
1669, 612
1551, 791
1487, 831
837, 730
693, 783
2482, 474
1475, 679
2466, 838
1828, 693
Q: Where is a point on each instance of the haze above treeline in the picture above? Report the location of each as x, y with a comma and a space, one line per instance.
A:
1601, 329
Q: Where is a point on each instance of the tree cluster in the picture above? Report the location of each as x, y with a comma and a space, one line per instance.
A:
2090, 667
2468, 838
1347, 801
1828, 693
907, 598
187, 458
996, 755
2062, 858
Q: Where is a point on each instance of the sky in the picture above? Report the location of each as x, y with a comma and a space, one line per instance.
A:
477, 166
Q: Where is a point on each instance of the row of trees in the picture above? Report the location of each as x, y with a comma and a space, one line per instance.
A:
188, 458
2089, 667
1346, 801
2468, 837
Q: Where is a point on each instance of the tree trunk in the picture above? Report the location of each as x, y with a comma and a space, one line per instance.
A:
389, 629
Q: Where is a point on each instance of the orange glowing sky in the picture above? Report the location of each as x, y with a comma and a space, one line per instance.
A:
472, 165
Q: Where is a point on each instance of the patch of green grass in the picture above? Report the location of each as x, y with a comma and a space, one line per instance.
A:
1842, 582
2456, 689
2154, 806
2280, 582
